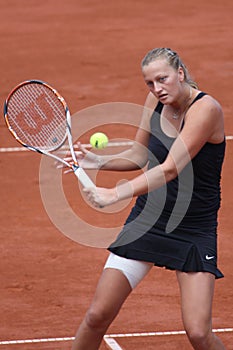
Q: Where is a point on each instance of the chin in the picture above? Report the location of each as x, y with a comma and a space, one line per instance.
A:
165, 101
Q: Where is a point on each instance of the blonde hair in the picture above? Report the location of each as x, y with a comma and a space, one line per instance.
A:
173, 60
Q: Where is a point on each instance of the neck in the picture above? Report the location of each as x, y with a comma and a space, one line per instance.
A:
181, 106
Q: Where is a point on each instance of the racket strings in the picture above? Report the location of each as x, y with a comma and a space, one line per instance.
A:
37, 116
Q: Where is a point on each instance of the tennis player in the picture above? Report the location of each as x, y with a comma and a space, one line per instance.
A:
174, 221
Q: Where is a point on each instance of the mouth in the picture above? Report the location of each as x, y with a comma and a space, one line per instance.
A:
162, 96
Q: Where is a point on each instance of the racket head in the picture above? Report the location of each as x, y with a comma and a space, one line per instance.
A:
36, 115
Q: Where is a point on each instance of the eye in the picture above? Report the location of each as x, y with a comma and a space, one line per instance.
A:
150, 84
162, 79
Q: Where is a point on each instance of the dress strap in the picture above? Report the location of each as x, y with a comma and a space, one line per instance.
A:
198, 97
159, 107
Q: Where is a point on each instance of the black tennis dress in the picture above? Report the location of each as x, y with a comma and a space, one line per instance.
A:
175, 226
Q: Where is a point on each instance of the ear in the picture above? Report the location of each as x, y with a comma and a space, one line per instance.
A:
181, 74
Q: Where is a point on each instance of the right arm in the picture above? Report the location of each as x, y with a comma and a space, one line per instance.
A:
133, 158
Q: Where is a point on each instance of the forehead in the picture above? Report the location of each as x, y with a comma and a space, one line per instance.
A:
156, 68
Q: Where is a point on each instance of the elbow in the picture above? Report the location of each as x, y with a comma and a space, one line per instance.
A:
169, 172
139, 156
142, 163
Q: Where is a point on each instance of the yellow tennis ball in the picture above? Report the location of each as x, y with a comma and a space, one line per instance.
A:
99, 140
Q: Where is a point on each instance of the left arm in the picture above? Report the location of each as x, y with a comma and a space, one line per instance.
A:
203, 123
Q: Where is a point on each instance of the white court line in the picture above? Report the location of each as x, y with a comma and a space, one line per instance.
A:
35, 341
165, 333
22, 149
112, 343
112, 144
109, 336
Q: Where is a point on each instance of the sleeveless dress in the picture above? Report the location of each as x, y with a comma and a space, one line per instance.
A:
175, 226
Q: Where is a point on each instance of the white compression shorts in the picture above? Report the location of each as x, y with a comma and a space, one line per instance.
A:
133, 270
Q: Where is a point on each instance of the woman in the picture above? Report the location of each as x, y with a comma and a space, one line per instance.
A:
173, 223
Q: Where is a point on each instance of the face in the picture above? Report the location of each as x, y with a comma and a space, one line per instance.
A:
163, 80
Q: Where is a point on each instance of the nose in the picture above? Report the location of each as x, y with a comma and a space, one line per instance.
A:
156, 87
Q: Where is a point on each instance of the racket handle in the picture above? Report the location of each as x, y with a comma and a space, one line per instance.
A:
84, 178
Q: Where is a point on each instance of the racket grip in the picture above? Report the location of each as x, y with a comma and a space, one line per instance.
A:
84, 178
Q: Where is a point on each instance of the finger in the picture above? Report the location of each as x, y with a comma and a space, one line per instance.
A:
59, 166
68, 171
82, 148
68, 159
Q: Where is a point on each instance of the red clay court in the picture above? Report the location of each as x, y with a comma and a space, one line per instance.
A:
91, 52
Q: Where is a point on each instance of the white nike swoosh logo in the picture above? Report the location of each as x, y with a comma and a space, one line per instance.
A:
209, 257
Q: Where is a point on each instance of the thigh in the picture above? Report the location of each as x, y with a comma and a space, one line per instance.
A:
133, 270
118, 278
197, 289
111, 292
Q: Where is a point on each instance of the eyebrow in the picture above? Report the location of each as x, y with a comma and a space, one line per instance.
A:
158, 76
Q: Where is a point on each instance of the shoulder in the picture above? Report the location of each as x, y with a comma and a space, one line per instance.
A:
148, 109
205, 110
205, 116
207, 104
151, 101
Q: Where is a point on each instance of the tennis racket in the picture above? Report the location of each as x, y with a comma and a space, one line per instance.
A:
39, 119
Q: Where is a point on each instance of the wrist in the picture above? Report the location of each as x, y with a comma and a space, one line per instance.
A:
99, 162
124, 190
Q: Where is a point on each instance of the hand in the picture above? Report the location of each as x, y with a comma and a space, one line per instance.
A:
100, 197
85, 158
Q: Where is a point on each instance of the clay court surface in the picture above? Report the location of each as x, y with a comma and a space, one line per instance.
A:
91, 51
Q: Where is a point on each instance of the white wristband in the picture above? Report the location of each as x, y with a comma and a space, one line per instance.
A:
99, 162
